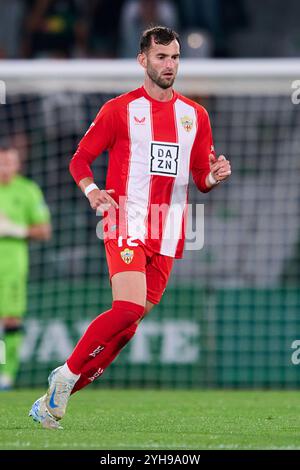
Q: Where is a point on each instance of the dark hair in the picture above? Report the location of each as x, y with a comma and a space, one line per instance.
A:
160, 34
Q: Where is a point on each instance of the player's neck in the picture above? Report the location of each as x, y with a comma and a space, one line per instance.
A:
7, 181
158, 93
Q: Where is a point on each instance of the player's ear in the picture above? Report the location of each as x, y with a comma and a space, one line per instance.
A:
142, 59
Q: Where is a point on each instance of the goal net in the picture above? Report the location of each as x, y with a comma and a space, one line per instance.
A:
230, 315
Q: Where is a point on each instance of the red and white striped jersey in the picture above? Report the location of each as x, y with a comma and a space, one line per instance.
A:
152, 146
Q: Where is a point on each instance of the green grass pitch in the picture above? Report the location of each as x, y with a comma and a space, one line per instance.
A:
148, 419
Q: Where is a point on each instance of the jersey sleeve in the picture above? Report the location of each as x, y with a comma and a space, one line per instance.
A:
203, 147
37, 209
99, 137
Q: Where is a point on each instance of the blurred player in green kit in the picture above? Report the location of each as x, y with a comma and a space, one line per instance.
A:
23, 216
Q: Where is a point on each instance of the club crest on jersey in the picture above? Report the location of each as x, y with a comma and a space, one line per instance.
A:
127, 255
164, 158
187, 123
139, 121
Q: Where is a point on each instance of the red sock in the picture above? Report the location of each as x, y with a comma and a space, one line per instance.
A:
102, 330
95, 368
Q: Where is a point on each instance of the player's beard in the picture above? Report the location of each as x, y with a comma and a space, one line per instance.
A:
162, 82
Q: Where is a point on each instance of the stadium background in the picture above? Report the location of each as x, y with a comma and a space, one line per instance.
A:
230, 314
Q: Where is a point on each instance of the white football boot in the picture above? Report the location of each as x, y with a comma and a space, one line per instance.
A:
58, 393
40, 414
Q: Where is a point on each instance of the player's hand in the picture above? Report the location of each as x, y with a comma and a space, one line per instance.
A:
220, 168
101, 201
10, 229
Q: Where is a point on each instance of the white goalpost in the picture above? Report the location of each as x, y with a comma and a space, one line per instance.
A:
264, 76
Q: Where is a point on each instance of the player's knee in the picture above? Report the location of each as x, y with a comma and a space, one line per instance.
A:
130, 312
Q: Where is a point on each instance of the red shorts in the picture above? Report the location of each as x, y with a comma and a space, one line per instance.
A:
157, 267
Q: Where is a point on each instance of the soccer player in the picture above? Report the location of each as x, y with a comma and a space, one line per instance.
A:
23, 216
155, 137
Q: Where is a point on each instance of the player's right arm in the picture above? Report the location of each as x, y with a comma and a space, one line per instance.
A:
100, 199
99, 137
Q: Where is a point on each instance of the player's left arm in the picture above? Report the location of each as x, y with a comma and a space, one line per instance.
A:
35, 216
207, 169
11, 229
38, 216
39, 232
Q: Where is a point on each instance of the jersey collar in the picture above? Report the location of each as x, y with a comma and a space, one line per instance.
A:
161, 103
